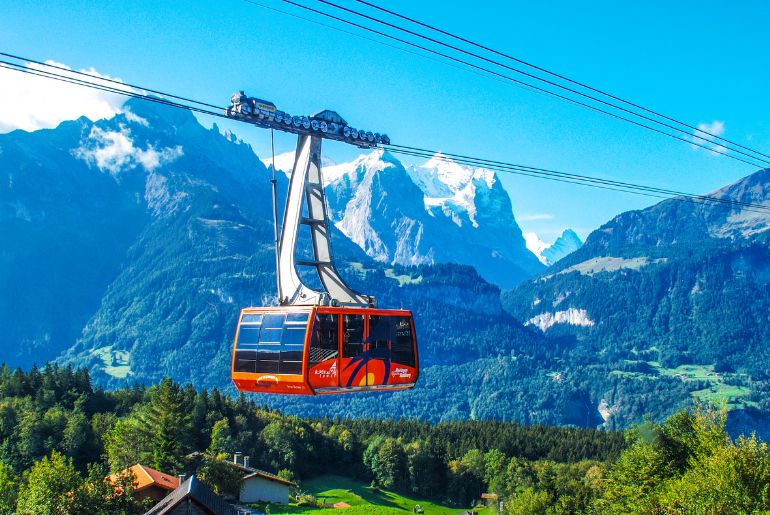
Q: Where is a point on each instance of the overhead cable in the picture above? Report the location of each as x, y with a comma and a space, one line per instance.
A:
717, 149
542, 173
583, 180
710, 135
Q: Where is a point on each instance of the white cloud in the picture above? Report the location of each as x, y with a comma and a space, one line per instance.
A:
135, 118
114, 152
30, 102
716, 128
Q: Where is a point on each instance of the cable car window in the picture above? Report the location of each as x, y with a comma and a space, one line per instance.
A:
352, 335
380, 331
248, 336
297, 318
272, 329
246, 361
291, 359
402, 346
271, 336
294, 336
267, 361
251, 319
273, 321
323, 342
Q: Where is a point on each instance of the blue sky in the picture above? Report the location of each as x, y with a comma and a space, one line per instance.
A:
700, 62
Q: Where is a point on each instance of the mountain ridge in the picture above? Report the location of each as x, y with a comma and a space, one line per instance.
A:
679, 289
438, 212
139, 238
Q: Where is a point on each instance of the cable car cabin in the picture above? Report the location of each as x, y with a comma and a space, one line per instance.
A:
320, 349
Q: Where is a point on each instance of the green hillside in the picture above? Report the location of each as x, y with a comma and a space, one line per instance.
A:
59, 438
361, 499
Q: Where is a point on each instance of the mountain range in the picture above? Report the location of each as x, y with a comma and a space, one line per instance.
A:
567, 243
136, 240
439, 212
678, 291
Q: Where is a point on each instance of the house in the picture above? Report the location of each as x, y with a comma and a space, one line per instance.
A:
255, 485
150, 483
193, 497
261, 486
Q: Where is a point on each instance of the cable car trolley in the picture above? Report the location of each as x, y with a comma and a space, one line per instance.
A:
332, 339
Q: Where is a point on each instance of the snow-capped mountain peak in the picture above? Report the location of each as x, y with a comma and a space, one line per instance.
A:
536, 245
447, 172
452, 188
439, 211
566, 243
440, 176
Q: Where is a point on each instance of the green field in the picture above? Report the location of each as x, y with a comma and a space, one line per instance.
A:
716, 392
361, 498
116, 363
402, 279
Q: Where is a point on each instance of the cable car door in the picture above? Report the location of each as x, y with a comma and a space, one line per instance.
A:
354, 364
324, 356
378, 350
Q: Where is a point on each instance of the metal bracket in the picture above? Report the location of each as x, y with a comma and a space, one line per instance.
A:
306, 188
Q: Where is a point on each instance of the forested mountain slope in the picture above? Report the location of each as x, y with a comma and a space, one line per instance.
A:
162, 228
679, 291
136, 241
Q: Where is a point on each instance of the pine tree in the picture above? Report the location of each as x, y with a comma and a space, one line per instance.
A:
166, 422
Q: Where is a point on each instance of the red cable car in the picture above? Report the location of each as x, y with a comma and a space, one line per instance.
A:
323, 349
319, 341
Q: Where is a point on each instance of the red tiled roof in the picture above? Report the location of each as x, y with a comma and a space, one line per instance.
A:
145, 477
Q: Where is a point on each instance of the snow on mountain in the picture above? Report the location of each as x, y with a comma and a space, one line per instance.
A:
373, 202
440, 211
452, 188
565, 244
536, 245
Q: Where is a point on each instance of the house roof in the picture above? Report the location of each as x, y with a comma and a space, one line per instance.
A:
268, 475
248, 471
198, 492
146, 477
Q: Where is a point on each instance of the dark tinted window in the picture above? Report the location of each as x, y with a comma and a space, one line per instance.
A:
402, 346
380, 331
271, 343
245, 361
352, 335
267, 361
291, 359
323, 343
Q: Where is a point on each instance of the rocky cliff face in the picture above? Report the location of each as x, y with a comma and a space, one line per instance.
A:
440, 212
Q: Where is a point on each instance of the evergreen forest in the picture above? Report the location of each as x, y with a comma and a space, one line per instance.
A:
60, 438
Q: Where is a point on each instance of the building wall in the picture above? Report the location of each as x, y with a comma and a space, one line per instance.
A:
256, 489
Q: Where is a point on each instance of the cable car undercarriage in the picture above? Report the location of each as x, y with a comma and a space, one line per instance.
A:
317, 341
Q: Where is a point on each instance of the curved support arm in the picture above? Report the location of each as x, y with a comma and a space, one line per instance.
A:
306, 186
